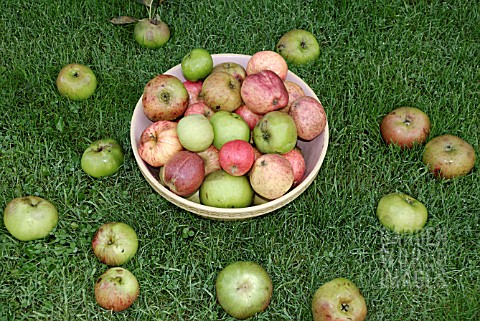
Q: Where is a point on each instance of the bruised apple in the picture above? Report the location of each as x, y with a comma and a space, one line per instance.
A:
267, 60
263, 92
221, 91
309, 117
199, 108
116, 289
296, 159
271, 176
237, 157
233, 68
159, 142
164, 98
211, 158
183, 173
249, 116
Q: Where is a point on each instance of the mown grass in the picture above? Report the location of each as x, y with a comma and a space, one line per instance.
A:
375, 56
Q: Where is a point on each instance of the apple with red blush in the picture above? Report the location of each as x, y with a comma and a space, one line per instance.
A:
249, 116
309, 117
211, 158
194, 89
267, 60
236, 157
294, 91
296, 159
233, 68
199, 108
271, 176
405, 127
183, 173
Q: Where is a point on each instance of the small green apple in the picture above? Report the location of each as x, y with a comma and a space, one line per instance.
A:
30, 217
401, 213
102, 158
76, 82
228, 126
195, 132
298, 46
275, 132
151, 34
197, 64
220, 189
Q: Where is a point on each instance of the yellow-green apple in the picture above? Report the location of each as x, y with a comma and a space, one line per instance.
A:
195, 132
30, 217
401, 213
298, 46
244, 289
221, 91
115, 243
116, 289
164, 98
194, 89
220, 189
275, 132
271, 176
267, 60
405, 127
236, 157
151, 33
449, 156
211, 158
102, 158
233, 68
199, 108
263, 92
294, 91
296, 159
76, 82
183, 173
249, 116
228, 126
197, 64
309, 117
339, 300
159, 142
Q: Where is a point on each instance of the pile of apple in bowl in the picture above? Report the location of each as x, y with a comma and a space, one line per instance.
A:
243, 141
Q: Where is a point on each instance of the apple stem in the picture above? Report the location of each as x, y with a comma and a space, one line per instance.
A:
345, 307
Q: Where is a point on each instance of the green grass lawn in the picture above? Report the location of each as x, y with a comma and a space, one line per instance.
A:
375, 56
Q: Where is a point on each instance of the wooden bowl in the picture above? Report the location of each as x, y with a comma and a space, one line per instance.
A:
314, 152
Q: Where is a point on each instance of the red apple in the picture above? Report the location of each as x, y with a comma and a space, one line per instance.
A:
211, 158
309, 117
237, 157
263, 92
267, 60
405, 127
199, 108
194, 89
116, 289
183, 173
294, 91
164, 98
296, 159
249, 116
159, 142
221, 91
271, 176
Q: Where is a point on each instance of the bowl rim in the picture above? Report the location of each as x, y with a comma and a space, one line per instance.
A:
226, 214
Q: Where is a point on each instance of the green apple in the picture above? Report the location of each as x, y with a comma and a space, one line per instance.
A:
76, 82
338, 299
220, 189
228, 126
115, 243
243, 289
298, 46
30, 217
102, 158
197, 64
449, 156
401, 213
275, 132
151, 33
195, 132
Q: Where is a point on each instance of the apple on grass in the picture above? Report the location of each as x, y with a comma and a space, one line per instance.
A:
221, 91
183, 173
267, 60
116, 289
309, 117
164, 98
338, 300
228, 126
243, 289
197, 64
76, 82
195, 132
298, 46
405, 127
151, 33
449, 156
271, 176
220, 189
30, 217
236, 157
401, 213
159, 142
115, 243
275, 132
102, 158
